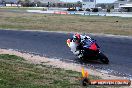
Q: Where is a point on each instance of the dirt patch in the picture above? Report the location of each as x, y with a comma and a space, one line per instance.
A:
57, 63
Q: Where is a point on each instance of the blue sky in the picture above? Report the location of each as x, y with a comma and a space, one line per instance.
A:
98, 1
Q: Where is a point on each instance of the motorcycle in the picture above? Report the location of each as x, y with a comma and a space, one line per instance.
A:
89, 50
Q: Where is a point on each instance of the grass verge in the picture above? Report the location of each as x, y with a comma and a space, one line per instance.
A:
15, 72
76, 23
21, 8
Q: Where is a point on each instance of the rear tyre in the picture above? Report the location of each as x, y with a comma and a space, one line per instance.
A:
103, 58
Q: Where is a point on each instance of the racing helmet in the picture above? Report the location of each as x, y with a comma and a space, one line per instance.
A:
76, 37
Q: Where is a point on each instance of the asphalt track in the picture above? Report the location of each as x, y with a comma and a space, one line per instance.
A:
53, 45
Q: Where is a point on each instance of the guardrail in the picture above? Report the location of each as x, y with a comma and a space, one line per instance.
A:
120, 14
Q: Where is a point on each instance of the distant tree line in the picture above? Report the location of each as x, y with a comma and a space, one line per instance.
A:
105, 5
24, 3
29, 3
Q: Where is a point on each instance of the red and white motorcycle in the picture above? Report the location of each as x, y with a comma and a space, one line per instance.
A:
90, 50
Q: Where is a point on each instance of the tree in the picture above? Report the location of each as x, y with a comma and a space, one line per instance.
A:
11, 3
79, 4
3, 2
122, 0
130, 0
26, 3
19, 2
38, 4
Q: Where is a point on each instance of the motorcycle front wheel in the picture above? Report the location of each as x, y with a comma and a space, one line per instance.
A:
103, 58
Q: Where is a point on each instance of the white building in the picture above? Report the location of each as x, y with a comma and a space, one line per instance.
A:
123, 5
119, 3
13, 5
88, 4
126, 7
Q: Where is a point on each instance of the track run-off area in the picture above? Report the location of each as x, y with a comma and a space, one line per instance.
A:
53, 45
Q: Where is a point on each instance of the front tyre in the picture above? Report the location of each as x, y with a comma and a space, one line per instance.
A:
103, 58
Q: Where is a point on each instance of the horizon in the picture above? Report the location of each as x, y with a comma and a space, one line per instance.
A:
97, 1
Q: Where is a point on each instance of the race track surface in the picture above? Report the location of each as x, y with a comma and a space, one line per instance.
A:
53, 45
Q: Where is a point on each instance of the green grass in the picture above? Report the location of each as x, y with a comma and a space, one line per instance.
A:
76, 23
20, 8
15, 72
